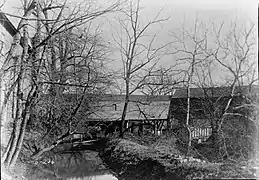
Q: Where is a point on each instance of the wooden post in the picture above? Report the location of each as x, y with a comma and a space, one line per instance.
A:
132, 127
155, 128
141, 127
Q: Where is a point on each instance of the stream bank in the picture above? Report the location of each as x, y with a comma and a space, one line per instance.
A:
132, 158
133, 161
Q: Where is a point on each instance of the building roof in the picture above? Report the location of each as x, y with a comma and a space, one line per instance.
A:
109, 107
133, 98
112, 111
140, 107
222, 91
6, 23
214, 91
9, 27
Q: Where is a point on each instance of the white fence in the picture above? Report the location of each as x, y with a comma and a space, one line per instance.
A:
201, 132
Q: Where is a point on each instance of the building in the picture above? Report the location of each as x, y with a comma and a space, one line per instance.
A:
149, 111
7, 31
206, 105
140, 107
7, 25
157, 113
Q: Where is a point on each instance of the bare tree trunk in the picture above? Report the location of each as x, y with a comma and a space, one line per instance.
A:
135, 55
189, 104
17, 89
188, 119
124, 112
20, 139
53, 69
52, 146
17, 121
24, 119
16, 137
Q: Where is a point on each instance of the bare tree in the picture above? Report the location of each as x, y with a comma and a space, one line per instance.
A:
188, 51
138, 56
219, 58
15, 87
235, 53
65, 110
213, 58
161, 81
25, 75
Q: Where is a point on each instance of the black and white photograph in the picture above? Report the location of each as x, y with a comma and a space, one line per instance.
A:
129, 89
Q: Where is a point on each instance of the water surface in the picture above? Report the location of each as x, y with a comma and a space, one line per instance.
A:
81, 165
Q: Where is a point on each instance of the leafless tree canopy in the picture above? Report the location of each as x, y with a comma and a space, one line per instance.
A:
61, 53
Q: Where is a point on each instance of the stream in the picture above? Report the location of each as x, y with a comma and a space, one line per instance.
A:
79, 165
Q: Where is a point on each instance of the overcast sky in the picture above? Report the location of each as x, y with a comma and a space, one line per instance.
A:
177, 9
241, 11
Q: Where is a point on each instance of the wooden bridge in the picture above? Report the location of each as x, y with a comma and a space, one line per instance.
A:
145, 114
138, 126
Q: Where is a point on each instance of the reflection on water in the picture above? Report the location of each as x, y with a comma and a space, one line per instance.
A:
84, 165
97, 177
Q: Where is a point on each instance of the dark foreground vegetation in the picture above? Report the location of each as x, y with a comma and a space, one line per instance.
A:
150, 157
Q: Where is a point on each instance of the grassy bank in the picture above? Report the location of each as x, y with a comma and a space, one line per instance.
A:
160, 158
